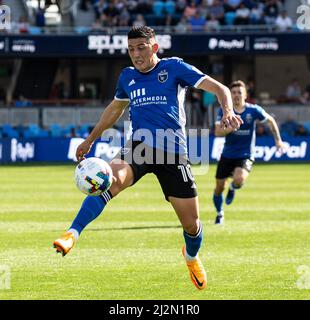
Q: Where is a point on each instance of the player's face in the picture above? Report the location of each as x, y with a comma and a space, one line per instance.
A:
238, 95
143, 53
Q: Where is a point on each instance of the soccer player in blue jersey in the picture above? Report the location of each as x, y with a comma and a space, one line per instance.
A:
237, 157
155, 90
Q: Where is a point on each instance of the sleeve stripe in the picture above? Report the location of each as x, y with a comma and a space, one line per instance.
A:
199, 81
119, 99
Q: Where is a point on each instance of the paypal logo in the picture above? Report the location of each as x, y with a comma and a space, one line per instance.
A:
20, 151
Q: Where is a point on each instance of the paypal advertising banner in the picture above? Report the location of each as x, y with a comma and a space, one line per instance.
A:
63, 150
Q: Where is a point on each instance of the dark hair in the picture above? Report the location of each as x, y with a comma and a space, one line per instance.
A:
237, 83
141, 32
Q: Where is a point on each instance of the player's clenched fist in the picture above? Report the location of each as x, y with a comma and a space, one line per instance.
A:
82, 150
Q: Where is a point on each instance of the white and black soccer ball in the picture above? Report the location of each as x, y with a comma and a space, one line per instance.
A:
93, 176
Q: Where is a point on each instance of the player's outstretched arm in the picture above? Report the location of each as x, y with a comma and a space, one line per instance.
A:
276, 133
109, 117
229, 119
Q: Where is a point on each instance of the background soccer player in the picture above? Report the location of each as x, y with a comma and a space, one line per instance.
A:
237, 157
155, 89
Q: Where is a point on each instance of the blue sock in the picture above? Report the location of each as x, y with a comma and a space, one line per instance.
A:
90, 210
218, 202
193, 242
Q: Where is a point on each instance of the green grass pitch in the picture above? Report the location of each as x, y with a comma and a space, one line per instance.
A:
133, 250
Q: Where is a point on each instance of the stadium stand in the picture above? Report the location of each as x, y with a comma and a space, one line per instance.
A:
54, 109
83, 16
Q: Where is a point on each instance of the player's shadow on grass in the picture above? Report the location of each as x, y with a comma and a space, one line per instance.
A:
136, 228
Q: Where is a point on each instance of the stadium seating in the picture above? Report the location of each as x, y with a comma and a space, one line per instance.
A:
56, 130
9, 131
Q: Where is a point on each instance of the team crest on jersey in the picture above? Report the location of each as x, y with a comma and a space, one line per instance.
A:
248, 118
163, 76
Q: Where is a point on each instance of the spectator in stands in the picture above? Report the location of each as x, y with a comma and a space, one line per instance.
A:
293, 91
217, 10
139, 21
256, 15
212, 23
124, 18
271, 11
197, 22
182, 26
110, 14
99, 6
191, 10
204, 8
242, 15
120, 5
283, 21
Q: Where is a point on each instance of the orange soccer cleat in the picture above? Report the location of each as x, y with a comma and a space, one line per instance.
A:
197, 272
65, 243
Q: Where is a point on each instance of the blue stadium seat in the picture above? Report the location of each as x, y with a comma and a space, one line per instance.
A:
56, 130
158, 7
34, 131
230, 18
307, 127
170, 7
9, 131
68, 129
84, 130
34, 30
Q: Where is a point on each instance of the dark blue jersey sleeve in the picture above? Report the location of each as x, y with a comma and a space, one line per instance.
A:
120, 93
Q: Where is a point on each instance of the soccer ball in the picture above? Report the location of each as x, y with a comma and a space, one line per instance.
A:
93, 176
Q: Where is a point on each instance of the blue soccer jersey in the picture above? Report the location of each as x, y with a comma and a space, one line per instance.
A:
240, 144
157, 101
